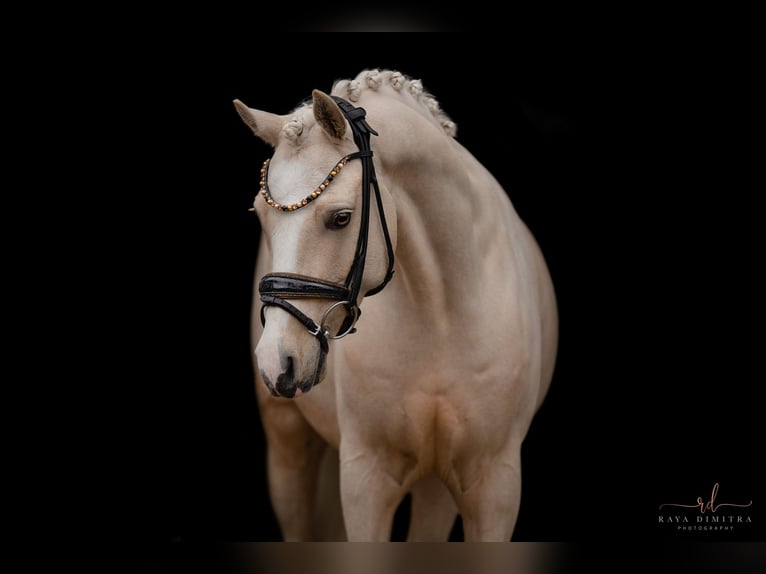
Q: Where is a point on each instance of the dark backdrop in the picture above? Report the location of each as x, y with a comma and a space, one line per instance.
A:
639, 193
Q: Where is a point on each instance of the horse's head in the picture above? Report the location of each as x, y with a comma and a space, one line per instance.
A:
318, 194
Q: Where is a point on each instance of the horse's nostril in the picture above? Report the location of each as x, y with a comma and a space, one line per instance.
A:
286, 380
289, 369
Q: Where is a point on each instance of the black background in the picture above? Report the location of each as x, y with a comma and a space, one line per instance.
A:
639, 188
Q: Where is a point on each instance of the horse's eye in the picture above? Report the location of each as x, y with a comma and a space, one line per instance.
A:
339, 219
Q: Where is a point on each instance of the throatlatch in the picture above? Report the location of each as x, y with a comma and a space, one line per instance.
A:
276, 288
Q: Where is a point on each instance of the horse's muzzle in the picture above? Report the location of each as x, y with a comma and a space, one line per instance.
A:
289, 384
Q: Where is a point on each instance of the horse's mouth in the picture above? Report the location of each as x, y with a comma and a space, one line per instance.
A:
288, 386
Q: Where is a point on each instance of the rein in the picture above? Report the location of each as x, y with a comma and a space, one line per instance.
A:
277, 288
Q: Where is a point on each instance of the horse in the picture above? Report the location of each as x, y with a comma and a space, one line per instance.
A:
369, 201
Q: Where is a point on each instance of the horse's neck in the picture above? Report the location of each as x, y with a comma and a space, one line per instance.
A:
452, 219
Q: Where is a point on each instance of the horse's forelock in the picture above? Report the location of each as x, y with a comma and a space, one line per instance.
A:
293, 128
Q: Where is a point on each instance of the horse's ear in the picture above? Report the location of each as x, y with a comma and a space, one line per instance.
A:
328, 114
264, 124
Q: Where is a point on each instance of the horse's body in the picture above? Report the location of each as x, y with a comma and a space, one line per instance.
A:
436, 391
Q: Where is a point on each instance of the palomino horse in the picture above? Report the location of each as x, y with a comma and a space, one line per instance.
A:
434, 388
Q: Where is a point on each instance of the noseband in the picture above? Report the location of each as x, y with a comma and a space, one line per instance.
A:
277, 288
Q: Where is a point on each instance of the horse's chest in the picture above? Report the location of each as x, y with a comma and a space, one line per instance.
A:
425, 406
434, 427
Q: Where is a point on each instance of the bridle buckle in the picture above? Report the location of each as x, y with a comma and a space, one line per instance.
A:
353, 311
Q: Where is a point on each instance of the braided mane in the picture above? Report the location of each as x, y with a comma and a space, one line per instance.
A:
410, 90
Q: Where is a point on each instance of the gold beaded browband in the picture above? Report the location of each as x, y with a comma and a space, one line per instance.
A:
309, 198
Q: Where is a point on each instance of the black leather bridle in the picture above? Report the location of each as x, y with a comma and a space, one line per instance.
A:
277, 288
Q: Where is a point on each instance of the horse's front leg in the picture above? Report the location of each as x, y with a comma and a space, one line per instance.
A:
373, 481
294, 453
489, 504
